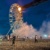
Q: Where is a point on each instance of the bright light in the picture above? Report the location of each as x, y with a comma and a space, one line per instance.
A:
45, 36
19, 9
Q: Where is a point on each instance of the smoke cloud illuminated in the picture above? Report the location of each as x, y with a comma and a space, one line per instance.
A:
29, 31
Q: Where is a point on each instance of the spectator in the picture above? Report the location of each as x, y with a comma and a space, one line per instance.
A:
13, 40
36, 38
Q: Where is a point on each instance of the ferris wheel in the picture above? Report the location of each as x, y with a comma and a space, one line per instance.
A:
15, 17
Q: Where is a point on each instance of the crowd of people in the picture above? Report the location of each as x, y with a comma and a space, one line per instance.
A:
13, 39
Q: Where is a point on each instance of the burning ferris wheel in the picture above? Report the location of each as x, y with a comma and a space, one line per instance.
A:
15, 17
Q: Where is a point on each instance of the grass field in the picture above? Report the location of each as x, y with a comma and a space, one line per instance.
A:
25, 45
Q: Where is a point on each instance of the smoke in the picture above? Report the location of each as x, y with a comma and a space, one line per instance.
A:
29, 31
26, 31
45, 28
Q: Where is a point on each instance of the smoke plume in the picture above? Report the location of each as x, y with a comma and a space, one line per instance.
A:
29, 31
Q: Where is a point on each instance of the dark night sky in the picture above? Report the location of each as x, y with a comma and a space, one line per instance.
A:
33, 15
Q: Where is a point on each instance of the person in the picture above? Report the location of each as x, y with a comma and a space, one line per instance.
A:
36, 38
13, 40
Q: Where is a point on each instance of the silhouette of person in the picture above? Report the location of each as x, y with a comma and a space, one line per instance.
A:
36, 38
13, 40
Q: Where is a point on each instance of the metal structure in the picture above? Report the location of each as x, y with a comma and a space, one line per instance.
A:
15, 14
15, 17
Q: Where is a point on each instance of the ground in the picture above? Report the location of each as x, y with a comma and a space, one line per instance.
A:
25, 45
